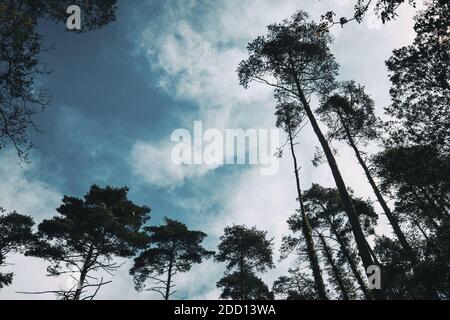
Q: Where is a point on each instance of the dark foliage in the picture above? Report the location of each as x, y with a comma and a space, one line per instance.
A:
254, 287
172, 249
89, 234
295, 286
420, 76
15, 236
245, 251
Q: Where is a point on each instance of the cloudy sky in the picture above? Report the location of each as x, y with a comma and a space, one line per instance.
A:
120, 92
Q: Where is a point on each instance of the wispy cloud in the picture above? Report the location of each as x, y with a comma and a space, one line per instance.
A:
153, 164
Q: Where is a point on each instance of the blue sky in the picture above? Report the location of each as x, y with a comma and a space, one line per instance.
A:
119, 93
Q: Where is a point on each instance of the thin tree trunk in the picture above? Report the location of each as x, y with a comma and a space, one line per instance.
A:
353, 265
242, 269
169, 280
340, 184
83, 274
80, 284
335, 270
387, 211
307, 232
421, 230
374, 256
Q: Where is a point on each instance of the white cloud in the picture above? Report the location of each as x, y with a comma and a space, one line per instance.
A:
153, 164
23, 191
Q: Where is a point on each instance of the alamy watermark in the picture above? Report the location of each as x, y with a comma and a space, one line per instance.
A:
73, 22
374, 277
215, 147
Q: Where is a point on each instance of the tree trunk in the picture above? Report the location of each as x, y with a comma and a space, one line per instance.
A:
421, 229
387, 211
169, 280
80, 284
340, 184
335, 270
374, 256
353, 265
242, 267
83, 274
307, 232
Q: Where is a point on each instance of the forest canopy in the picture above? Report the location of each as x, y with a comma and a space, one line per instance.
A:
376, 227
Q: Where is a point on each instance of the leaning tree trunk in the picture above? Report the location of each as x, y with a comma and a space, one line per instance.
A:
340, 184
352, 263
374, 256
307, 232
387, 211
417, 224
81, 281
83, 274
334, 268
